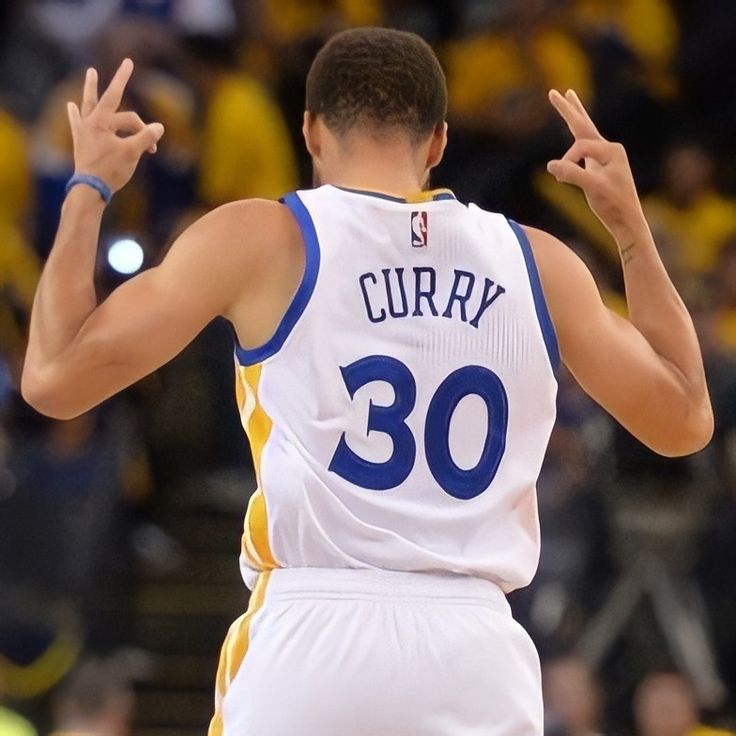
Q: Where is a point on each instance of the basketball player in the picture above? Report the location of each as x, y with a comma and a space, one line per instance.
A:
396, 356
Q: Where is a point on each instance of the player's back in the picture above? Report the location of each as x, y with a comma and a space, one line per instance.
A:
399, 415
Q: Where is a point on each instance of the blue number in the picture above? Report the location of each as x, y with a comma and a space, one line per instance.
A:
387, 419
472, 379
391, 420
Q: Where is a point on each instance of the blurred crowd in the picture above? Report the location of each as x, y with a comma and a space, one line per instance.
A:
634, 606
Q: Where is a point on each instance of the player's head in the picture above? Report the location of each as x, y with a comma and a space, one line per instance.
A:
376, 84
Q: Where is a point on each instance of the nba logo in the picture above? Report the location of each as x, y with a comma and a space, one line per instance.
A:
418, 229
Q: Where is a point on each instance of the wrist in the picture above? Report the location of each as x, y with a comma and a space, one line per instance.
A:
90, 181
86, 197
633, 230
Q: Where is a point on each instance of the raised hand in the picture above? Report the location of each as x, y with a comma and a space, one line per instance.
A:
600, 168
99, 149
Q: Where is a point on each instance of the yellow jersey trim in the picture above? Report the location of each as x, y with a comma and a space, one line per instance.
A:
256, 545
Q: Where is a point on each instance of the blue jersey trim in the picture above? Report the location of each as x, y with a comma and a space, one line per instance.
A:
540, 304
303, 293
442, 195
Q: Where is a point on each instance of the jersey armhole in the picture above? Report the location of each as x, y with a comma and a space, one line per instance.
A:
303, 294
540, 304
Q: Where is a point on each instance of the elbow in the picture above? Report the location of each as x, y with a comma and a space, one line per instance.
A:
32, 388
694, 435
701, 435
40, 393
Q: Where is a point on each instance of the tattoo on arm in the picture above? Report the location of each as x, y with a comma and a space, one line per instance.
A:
627, 254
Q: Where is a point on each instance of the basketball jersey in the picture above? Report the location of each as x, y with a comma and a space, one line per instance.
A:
400, 413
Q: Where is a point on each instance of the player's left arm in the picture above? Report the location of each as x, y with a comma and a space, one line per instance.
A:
80, 353
647, 370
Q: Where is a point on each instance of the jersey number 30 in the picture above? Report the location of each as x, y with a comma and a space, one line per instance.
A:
391, 420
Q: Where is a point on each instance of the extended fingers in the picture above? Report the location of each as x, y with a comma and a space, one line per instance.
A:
113, 95
573, 113
74, 115
89, 96
564, 110
572, 96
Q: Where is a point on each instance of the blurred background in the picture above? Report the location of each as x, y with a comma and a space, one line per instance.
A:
119, 530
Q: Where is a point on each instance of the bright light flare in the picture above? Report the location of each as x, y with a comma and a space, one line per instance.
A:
125, 256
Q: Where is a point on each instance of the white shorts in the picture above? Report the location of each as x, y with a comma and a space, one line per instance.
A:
324, 652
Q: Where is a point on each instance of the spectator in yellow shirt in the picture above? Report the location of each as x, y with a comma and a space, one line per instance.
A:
498, 79
291, 21
19, 274
721, 328
689, 210
503, 125
19, 269
665, 705
246, 150
647, 29
15, 176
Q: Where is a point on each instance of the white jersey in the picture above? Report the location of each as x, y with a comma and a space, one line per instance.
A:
399, 415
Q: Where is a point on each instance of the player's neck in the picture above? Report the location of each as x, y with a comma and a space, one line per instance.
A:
393, 172
371, 180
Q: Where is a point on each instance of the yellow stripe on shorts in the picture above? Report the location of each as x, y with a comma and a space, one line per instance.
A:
234, 650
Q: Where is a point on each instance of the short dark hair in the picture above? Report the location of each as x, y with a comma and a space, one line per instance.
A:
380, 79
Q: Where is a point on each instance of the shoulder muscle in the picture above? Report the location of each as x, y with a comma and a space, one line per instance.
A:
228, 250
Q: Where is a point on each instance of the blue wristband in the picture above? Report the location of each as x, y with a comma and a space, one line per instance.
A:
91, 181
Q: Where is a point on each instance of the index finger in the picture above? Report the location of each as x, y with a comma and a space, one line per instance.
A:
89, 96
572, 96
580, 125
113, 95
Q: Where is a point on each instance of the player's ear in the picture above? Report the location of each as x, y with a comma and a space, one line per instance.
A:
311, 133
437, 145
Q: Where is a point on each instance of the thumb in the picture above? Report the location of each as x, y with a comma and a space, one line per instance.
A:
569, 172
147, 138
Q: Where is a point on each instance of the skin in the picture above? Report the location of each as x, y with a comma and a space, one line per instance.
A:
244, 261
572, 695
664, 705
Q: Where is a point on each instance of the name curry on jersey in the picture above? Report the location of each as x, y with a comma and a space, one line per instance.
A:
401, 292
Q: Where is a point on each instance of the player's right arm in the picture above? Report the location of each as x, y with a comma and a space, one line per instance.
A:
240, 261
647, 370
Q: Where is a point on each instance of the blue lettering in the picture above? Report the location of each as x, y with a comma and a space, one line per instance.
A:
486, 301
389, 293
420, 293
382, 314
395, 303
457, 296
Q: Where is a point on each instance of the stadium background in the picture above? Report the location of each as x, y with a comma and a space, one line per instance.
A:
119, 531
